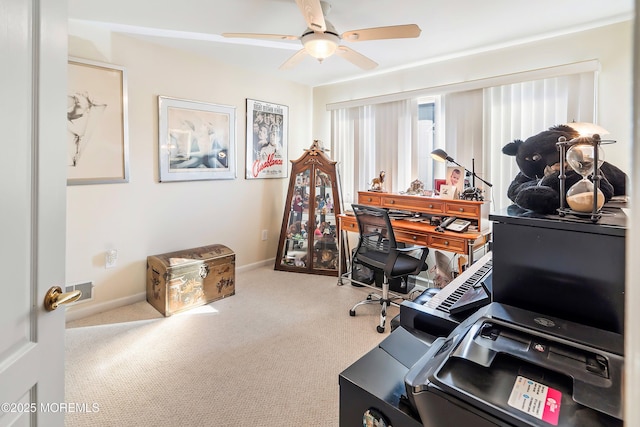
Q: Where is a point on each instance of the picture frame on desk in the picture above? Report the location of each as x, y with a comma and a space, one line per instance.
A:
437, 183
448, 192
455, 176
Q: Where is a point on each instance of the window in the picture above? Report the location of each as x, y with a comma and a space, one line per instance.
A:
520, 110
471, 124
426, 140
373, 138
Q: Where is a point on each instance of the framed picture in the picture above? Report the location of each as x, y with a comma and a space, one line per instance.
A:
448, 192
97, 127
267, 130
437, 183
455, 177
196, 140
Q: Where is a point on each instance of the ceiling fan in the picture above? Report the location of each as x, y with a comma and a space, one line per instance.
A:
321, 40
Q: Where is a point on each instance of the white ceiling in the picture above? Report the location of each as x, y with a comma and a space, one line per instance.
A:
450, 28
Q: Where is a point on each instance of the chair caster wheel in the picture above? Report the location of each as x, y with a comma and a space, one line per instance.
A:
352, 313
380, 329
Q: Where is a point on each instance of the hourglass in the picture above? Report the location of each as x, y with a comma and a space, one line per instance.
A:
582, 159
584, 156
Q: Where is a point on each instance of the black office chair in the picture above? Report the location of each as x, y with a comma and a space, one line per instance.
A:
379, 251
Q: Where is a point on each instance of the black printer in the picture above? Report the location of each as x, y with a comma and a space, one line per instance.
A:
505, 366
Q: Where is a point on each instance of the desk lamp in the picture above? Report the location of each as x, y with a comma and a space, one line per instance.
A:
442, 156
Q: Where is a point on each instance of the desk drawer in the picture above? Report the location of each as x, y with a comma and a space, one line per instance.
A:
414, 204
414, 238
460, 209
433, 207
369, 199
350, 224
448, 244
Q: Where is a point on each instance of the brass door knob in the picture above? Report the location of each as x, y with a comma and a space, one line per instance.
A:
55, 297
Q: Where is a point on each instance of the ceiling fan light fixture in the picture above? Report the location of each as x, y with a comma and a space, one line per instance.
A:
320, 45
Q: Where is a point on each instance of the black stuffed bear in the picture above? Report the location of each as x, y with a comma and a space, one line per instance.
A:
537, 187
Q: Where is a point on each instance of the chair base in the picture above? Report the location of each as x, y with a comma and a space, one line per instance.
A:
374, 298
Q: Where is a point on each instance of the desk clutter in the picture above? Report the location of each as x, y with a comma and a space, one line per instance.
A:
429, 210
181, 280
416, 219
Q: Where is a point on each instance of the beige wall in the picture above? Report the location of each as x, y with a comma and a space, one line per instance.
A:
610, 45
145, 217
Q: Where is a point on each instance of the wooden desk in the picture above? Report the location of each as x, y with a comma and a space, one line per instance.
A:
419, 233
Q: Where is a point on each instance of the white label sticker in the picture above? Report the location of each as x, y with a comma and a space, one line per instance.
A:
536, 399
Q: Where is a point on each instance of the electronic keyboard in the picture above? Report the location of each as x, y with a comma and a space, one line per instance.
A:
455, 302
467, 291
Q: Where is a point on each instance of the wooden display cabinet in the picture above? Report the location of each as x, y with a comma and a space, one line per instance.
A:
309, 234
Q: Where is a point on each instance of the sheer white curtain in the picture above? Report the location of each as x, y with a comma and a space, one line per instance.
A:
460, 130
520, 110
374, 138
472, 126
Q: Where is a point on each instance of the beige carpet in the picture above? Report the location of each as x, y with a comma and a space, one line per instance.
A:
268, 356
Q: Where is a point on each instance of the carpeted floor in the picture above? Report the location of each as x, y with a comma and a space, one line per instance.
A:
268, 356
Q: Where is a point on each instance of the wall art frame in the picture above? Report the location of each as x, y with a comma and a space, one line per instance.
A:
97, 123
267, 140
196, 140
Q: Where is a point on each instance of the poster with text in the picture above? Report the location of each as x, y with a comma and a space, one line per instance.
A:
267, 129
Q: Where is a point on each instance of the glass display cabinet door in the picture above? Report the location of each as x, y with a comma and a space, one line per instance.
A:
325, 241
296, 242
309, 233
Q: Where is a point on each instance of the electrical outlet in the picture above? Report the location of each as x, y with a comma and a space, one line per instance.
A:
265, 234
111, 258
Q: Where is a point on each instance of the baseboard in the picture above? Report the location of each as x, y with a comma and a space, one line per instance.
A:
79, 312
255, 265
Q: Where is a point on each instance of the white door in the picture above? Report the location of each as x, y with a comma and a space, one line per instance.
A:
33, 57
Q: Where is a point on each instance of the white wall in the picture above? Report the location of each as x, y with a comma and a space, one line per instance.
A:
611, 45
145, 217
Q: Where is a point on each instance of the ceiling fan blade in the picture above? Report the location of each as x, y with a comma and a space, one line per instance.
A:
312, 12
260, 36
356, 58
380, 33
294, 60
